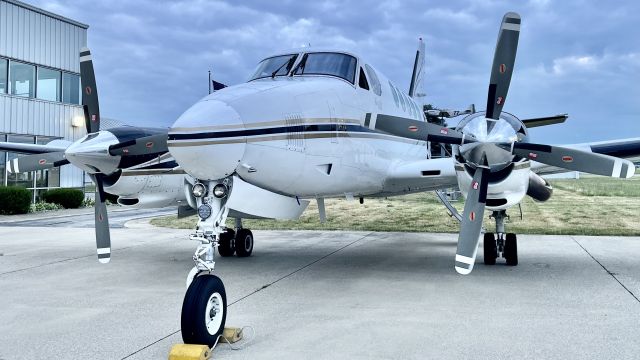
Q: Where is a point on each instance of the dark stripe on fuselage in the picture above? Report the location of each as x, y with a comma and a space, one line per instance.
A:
272, 131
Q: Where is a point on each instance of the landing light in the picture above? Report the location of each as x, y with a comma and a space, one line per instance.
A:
198, 190
220, 191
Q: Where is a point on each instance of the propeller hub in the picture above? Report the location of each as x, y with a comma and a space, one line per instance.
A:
91, 153
488, 133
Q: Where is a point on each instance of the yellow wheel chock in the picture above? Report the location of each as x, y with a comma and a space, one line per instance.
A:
189, 352
202, 352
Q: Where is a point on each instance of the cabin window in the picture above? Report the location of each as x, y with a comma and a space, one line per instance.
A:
274, 66
395, 95
332, 64
362, 82
402, 102
373, 78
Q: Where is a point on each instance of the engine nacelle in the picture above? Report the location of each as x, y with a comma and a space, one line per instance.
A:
539, 188
506, 187
135, 189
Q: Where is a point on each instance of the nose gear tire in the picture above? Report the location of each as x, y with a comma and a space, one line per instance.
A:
204, 311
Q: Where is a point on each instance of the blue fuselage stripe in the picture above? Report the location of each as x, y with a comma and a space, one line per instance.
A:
271, 131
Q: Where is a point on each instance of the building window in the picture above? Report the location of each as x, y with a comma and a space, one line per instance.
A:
3, 75
22, 79
49, 84
70, 88
24, 179
49, 177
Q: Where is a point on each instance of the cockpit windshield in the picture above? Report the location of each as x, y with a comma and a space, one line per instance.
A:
274, 66
324, 63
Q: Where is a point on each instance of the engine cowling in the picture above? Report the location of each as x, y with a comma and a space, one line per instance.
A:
539, 188
134, 189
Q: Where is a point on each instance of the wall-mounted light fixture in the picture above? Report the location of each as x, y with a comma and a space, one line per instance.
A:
77, 121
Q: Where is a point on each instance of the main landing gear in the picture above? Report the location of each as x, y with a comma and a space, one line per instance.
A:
204, 310
504, 243
239, 241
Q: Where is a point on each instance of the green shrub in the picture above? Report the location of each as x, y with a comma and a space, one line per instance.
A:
14, 200
67, 198
44, 206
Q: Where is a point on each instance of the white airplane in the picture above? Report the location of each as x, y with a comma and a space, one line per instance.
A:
314, 124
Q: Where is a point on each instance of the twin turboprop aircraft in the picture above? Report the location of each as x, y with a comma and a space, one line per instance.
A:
312, 124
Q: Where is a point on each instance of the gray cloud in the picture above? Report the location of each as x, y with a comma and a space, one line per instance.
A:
575, 56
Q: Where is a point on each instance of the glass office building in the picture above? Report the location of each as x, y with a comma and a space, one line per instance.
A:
39, 88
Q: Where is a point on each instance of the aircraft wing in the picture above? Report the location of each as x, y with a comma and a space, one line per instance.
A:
628, 149
419, 176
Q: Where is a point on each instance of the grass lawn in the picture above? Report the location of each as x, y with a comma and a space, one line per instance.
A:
588, 206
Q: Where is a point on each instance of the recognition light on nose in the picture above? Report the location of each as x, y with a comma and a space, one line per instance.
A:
220, 191
198, 190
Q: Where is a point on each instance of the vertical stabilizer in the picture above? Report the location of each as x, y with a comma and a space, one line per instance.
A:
418, 70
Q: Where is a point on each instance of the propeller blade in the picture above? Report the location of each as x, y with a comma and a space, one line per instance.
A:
103, 237
141, 146
418, 130
36, 162
574, 159
549, 120
504, 59
472, 222
89, 92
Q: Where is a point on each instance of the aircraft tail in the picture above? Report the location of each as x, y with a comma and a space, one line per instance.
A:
418, 70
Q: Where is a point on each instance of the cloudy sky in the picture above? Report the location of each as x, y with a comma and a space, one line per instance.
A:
575, 56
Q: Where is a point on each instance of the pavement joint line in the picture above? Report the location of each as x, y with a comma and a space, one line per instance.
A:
71, 259
258, 290
613, 275
300, 269
38, 218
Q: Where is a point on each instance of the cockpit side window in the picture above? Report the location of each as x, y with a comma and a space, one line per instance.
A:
362, 82
333, 64
274, 66
373, 79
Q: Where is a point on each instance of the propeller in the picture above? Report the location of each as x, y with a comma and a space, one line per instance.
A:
419, 130
141, 146
92, 121
472, 221
36, 162
574, 159
490, 143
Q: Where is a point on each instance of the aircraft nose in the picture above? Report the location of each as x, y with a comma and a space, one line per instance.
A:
208, 140
91, 153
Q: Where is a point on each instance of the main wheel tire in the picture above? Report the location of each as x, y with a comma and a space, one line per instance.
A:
204, 311
511, 249
490, 249
244, 243
225, 244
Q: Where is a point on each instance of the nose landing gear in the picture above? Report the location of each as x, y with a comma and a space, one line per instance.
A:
204, 309
500, 243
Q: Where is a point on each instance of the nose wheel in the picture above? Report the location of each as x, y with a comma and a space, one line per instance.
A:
204, 310
500, 243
